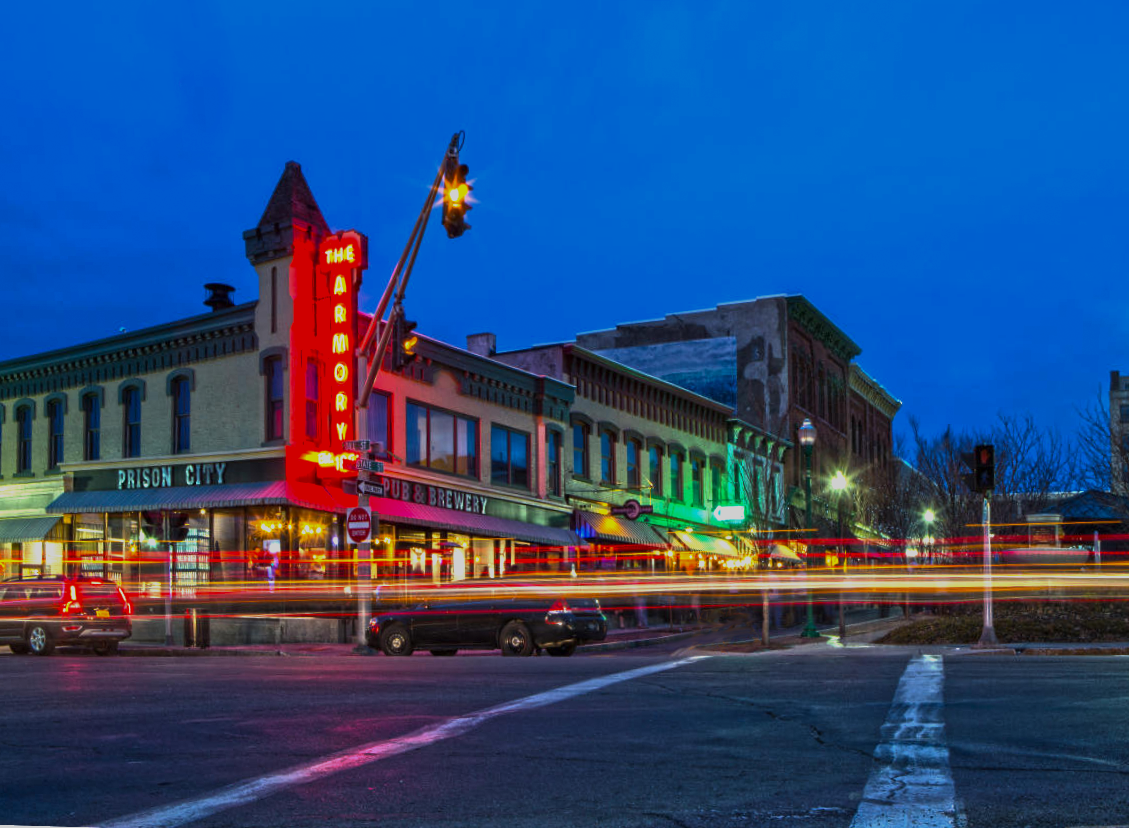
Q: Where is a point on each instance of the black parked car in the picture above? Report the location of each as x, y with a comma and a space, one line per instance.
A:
516, 626
38, 613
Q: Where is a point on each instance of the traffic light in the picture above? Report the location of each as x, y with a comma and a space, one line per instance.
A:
404, 343
456, 201
984, 470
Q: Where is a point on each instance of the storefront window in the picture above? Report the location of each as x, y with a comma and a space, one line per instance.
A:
227, 546
313, 533
268, 532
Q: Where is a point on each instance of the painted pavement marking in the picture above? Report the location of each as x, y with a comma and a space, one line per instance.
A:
250, 790
913, 786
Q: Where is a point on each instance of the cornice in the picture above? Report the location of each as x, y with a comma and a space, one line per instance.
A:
870, 390
822, 328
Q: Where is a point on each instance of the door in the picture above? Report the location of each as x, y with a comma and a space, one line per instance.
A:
478, 623
11, 626
434, 625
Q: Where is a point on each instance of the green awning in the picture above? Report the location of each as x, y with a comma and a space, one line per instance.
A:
23, 530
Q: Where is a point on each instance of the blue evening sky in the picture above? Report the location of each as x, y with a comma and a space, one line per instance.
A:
946, 181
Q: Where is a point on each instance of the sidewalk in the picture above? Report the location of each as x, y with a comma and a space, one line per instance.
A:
618, 639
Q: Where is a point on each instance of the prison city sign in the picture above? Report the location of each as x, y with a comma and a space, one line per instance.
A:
159, 477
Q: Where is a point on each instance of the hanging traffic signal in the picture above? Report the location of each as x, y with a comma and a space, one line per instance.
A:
456, 201
404, 343
984, 471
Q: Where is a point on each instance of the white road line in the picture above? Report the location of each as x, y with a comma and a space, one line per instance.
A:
248, 791
913, 786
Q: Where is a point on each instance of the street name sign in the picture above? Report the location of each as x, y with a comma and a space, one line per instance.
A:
356, 445
373, 489
370, 465
358, 523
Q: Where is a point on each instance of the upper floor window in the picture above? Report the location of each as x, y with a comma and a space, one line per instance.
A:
676, 492
553, 461
273, 370
440, 440
633, 450
23, 439
181, 415
717, 484
1125, 413
91, 427
580, 450
131, 422
607, 457
312, 399
54, 433
655, 464
509, 457
696, 482
377, 420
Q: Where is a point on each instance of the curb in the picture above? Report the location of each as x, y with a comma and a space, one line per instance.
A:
634, 643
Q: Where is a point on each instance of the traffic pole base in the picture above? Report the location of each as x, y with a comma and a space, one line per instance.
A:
988, 640
810, 632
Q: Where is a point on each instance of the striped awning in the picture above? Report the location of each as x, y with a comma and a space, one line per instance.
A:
470, 523
782, 553
617, 530
705, 544
181, 498
22, 530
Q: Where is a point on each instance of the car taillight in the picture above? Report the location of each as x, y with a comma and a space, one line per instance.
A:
560, 606
73, 605
128, 607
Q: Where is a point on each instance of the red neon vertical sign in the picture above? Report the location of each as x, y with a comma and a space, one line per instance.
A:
341, 258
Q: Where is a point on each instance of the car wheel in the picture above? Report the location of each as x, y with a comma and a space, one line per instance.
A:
516, 640
563, 651
39, 640
443, 652
19, 649
105, 648
396, 641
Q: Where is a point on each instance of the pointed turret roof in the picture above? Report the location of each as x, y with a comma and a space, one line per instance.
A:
292, 200
291, 212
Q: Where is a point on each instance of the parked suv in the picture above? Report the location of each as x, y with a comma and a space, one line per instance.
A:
36, 614
516, 626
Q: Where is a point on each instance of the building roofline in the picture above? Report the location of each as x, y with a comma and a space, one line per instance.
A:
202, 323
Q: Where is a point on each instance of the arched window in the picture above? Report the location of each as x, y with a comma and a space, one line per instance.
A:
131, 421
181, 415
24, 416
54, 433
275, 391
91, 426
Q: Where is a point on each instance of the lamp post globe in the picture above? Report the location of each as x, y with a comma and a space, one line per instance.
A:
807, 441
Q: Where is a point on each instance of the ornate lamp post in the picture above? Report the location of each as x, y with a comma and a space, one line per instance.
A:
807, 441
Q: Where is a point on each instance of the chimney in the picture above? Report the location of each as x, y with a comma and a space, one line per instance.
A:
483, 344
219, 296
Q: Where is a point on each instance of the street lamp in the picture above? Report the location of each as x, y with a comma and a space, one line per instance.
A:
928, 517
807, 441
839, 484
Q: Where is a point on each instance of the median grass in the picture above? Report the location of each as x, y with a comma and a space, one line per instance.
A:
1064, 622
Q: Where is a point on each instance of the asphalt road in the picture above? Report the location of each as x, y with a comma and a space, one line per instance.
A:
780, 738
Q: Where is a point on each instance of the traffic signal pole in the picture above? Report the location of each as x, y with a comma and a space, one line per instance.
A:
394, 293
988, 633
